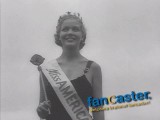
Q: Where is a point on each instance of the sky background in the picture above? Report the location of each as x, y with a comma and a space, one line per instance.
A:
123, 36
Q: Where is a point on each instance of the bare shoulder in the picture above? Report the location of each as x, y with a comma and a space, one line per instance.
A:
96, 73
95, 67
96, 80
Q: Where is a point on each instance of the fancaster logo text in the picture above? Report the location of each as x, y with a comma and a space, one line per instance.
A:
119, 101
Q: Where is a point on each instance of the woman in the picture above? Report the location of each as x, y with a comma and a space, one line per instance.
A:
84, 75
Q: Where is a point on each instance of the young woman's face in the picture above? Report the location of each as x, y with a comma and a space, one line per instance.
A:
71, 33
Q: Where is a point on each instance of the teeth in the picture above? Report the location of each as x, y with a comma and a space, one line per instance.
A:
70, 39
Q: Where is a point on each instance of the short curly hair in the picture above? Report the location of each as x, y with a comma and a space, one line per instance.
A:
59, 25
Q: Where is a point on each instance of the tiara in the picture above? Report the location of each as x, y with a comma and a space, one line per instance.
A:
69, 15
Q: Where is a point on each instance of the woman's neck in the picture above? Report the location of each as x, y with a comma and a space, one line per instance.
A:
70, 55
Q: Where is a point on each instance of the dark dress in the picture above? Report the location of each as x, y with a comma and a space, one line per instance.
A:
81, 85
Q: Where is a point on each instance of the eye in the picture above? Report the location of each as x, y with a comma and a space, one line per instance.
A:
76, 29
65, 29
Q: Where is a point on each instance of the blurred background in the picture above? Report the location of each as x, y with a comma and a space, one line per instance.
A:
123, 37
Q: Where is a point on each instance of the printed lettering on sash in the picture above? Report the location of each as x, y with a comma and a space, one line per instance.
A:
65, 91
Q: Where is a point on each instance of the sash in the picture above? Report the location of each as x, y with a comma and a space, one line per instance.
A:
65, 91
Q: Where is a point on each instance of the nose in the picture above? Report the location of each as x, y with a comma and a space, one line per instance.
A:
70, 31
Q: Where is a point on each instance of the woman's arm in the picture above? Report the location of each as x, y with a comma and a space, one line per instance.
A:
44, 105
97, 88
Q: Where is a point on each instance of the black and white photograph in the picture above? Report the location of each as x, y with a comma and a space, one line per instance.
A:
80, 60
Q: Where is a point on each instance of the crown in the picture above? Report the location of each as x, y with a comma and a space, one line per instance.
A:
69, 15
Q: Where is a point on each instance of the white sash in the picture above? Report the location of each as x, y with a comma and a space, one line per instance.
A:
65, 91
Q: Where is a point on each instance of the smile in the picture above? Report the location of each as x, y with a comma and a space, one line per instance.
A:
70, 39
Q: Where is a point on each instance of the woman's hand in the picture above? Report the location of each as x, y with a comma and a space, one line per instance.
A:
43, 109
